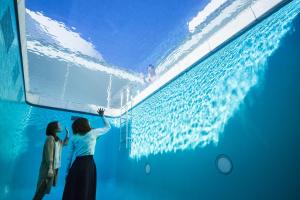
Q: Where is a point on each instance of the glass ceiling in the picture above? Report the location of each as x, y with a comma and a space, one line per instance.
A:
106, 52
88, 53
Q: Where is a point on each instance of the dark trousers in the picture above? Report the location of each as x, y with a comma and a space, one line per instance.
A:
45, 186
81, 181
41, 190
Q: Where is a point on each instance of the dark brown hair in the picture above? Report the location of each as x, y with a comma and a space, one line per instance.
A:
52, 128
81, 126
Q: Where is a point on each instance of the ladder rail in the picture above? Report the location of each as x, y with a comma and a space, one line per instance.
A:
125, 118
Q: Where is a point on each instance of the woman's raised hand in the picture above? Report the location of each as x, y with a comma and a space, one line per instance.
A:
100, 111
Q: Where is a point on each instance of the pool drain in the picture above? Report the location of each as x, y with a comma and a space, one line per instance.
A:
147, 168
224, 164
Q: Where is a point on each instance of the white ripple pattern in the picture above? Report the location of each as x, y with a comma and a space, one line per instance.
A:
14, 120
193, 110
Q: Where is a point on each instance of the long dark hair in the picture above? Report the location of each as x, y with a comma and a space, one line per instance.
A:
81, 126
51, 130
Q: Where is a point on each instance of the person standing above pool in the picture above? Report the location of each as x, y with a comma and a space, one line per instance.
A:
51, 160
151, 76
81, 178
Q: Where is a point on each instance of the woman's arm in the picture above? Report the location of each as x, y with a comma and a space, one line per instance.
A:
101, 131
66, 140
106, 127
49, 155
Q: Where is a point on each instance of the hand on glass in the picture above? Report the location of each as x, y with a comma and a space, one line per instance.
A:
100, 111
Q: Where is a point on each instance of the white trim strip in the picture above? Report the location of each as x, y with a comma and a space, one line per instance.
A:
68, 105
21, 18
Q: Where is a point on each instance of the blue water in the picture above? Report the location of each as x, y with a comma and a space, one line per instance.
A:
242, 101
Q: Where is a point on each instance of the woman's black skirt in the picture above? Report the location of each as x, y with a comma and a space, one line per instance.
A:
81, 180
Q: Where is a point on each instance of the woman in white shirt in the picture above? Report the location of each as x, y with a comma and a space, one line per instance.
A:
81, 177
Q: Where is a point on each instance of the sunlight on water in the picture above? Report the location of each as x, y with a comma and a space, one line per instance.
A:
193, 110
13, 142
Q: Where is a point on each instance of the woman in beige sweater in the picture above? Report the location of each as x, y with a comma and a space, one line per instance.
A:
51, 159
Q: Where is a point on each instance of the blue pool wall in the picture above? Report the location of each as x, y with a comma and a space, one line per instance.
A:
261, 138
13, 111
